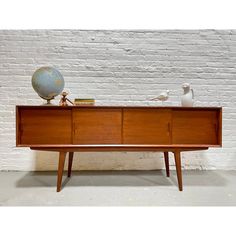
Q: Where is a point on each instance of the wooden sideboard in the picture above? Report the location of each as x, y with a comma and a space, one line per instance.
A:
118, 128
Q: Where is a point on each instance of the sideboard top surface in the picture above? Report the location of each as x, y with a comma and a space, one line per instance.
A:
113, 107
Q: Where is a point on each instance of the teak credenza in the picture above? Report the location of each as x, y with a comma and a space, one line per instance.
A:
118, 128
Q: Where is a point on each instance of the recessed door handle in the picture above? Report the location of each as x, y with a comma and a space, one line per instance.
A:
216, 128
74, 128
169, 128
21, 130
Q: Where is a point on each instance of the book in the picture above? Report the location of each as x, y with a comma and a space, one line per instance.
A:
84, 101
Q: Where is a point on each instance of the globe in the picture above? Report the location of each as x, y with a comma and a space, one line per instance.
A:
48, 82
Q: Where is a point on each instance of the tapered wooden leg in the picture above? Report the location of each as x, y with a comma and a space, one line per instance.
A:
178, 169
166, 156
71, 154
61, 163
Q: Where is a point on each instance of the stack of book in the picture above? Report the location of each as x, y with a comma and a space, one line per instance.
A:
84, 101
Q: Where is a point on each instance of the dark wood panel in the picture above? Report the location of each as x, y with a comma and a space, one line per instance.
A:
45, 126
17, 126
97, 126
195, 127
146, 126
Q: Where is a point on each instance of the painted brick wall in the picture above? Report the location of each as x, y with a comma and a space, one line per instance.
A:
120, 67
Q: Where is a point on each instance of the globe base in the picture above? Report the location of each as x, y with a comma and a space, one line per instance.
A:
48, 103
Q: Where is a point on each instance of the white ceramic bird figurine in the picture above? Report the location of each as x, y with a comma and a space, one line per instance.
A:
162, 97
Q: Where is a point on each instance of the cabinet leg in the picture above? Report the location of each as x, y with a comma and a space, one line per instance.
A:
71, 154
178, 169
166, 156
61, 163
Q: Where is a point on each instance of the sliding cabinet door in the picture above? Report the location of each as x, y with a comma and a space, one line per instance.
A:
146, 126
196, 127
97, 125
44, 126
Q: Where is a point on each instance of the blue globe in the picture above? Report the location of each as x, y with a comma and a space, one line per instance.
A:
48, 82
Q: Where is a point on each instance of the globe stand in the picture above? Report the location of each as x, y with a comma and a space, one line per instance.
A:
48, 103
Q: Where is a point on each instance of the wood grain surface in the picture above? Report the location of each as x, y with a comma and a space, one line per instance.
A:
195, 127
95, 126
44, 126
146, 126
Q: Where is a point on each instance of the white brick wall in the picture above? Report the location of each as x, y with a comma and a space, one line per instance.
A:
119, 67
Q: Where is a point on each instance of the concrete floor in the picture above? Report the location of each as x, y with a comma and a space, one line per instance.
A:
118, 188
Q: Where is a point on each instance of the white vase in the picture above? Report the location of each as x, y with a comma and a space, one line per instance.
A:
188, 96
